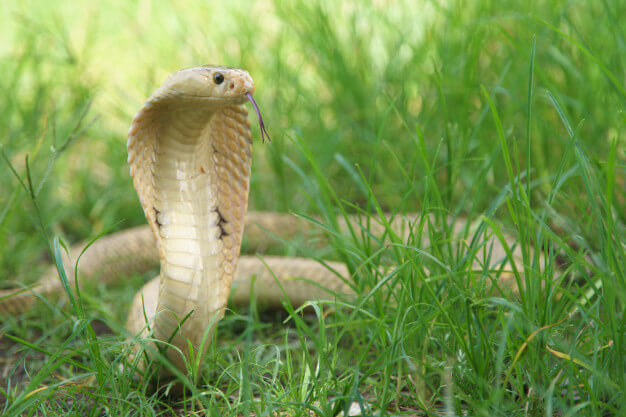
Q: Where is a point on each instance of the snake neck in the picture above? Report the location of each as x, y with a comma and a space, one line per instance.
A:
199, 174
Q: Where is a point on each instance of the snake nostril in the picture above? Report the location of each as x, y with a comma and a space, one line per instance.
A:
231, 86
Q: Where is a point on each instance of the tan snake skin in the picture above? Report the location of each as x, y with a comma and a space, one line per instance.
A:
189, 150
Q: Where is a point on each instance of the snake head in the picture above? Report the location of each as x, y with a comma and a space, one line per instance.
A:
210, 82
213, 85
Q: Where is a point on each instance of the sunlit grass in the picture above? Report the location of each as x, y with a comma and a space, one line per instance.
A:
511, 115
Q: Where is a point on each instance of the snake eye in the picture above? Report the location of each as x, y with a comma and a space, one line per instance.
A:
218, 78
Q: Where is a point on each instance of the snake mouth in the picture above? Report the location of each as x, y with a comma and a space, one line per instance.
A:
220, 100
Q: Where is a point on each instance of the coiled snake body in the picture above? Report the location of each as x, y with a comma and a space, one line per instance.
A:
189, 150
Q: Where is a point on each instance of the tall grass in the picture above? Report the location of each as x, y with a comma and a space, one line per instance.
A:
511, 115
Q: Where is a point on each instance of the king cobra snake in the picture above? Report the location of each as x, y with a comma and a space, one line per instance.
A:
189, 151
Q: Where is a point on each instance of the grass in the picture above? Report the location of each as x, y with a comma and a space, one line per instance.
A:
509, 114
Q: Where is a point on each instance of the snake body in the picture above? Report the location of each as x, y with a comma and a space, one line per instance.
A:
189, 151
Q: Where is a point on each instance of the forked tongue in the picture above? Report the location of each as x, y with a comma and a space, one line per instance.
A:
264, 133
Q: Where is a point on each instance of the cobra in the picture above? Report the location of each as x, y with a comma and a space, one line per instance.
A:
189, 151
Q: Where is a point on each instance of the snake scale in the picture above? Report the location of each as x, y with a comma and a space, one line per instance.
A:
189, 151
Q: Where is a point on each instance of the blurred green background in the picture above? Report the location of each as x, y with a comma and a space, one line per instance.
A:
355, 81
